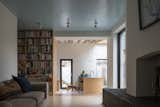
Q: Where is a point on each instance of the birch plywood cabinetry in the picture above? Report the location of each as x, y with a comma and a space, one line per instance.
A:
93, 85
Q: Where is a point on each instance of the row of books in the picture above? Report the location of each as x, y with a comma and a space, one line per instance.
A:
21, 57
21, 41
46, 49
35, 57
33, 34
39, 66
40, 71
39, 42
39, 57
21, 49
42, 49
45, 34
35, 42
45, 41
34, 49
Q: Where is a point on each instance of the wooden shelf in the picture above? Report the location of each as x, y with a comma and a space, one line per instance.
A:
33, 53
36, 60
36, 45
33, 30
34, 38
28, 53
33, 46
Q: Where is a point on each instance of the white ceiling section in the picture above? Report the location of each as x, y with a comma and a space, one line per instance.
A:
80, 38
101, 40
53, 14
82, 34
74, 42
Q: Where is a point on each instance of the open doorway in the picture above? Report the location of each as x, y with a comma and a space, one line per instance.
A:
66, 73
78, 59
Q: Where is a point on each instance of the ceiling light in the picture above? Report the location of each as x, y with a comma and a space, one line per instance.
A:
68, 23
95, 23
39, 25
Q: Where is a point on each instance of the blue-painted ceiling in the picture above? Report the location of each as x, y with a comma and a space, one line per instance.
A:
53, 14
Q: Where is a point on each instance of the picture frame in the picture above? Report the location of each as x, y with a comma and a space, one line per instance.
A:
149, 13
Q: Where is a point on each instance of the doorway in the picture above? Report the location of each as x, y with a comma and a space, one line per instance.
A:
66, 73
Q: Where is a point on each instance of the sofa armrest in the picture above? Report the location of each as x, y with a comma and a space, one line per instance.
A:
40, 86
5, 104
23, 102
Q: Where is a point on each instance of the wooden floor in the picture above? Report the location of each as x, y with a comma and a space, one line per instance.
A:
75, 101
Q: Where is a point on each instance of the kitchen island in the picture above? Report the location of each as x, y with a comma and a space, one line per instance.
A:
93, 85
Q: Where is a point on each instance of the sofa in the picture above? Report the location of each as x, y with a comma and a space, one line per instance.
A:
11, 95
119, 98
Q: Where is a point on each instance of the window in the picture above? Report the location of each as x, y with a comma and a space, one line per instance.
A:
121, 59
101, 69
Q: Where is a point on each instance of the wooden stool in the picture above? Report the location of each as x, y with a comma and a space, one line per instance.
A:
72, 87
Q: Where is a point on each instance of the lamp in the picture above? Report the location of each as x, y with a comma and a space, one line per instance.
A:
68, 23
95, 23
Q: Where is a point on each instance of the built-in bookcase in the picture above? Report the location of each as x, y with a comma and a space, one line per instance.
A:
35, 53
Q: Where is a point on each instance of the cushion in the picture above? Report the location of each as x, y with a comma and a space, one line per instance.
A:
14, 85
24, 83
5, 104
8, 89
40, 96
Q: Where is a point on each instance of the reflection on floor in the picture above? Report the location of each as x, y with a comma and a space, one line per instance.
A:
74, 99
68, 92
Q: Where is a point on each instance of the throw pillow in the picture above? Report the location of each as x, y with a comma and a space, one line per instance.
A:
24, 83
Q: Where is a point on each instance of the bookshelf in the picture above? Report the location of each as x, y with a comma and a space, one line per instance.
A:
35, 54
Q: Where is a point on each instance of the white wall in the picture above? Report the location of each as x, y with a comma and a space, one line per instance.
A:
139, 43
110, 61
8, 43
84, 57
115, 83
